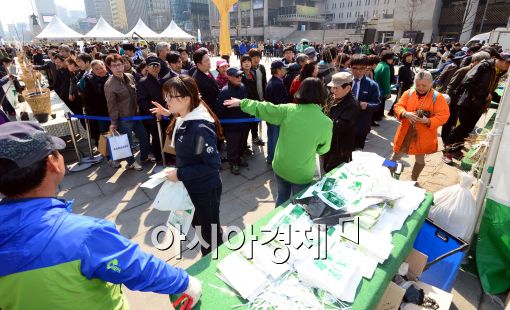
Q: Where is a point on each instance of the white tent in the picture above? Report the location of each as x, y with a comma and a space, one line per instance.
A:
57, 30
142, 29
103, 30
175, 32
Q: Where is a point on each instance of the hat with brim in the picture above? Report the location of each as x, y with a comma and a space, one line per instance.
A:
340, 78
26, 143
234, 72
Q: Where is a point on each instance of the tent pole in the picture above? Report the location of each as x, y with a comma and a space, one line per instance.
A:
494, 143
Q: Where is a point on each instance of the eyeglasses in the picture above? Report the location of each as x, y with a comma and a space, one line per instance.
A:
117, 65
168, 98
154, 65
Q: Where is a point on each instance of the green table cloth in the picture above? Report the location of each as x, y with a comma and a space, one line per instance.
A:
217, 295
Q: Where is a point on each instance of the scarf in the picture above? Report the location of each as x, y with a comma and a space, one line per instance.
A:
199, 113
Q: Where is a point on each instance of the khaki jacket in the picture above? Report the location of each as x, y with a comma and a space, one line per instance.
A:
121, 97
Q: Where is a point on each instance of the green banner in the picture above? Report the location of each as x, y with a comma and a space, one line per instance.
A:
493, 248
245, 5
306, 10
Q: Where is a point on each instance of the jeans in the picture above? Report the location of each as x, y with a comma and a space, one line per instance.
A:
127, 127
273, 132
285, 189
207, 212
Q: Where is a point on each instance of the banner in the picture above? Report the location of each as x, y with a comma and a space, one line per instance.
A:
306, 10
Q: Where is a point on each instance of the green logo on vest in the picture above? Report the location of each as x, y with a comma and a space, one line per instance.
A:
112, 265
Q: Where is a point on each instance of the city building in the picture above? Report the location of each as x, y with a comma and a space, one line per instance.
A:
462, 19
46, 9
119, 18
154, 13
273, 19
2, 33
384, 20
63, 14
90, 9
103, 9
192, 15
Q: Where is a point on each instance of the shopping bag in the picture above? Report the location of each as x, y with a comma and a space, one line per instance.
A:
172, 196
102, 146
119, 146
166, 147
455, 210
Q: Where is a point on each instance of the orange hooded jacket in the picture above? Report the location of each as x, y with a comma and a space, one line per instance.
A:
426, 140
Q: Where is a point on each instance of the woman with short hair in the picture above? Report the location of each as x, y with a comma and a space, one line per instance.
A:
421, 111
304, 132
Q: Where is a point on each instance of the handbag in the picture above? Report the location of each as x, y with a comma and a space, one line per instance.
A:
119, 146
167, 146
102, 146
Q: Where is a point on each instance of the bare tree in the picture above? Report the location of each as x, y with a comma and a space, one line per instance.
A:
412, 10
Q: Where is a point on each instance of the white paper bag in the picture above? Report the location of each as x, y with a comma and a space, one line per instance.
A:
119, 147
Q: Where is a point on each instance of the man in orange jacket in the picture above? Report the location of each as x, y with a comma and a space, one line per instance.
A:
421, 111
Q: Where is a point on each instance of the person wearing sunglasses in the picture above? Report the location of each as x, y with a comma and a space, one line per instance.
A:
236, 134
149, 89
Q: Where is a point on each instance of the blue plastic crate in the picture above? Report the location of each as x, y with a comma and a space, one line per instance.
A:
445, 253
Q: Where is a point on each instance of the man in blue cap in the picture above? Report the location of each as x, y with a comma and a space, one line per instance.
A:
54, 259
236, 134
276, 93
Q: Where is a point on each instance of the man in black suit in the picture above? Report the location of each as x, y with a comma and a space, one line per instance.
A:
148, 90
260, 76
205, 81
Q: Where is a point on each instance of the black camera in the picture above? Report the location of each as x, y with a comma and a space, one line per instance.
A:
422, 113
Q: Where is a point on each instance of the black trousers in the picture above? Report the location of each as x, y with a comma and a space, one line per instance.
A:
452, 121
379, 113
236, 144
254, 128
152, 131
467, 119
207, 212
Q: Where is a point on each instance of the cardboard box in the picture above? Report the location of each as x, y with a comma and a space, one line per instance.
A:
394, 294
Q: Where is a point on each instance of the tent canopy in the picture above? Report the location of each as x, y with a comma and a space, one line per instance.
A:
142, 29
175, 32
57, 30
103, 30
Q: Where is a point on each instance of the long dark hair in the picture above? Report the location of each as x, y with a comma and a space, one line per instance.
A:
186, 86
307, 70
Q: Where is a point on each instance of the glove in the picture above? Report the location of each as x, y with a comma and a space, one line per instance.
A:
194, 290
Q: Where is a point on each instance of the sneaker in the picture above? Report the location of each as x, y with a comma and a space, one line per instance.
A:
134, 166
258, 141
234, 169
114, 164
448, 158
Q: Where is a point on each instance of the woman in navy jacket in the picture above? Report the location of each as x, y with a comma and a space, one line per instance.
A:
194, 133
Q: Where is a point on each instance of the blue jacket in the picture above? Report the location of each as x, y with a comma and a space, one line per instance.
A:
45, 246
368, 92
227, 92
276, 92
197, 158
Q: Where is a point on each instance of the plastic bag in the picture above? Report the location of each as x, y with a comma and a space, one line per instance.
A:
454, 208
172, 196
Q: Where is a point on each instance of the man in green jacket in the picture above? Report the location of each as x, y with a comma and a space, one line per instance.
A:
382, 75
304, 132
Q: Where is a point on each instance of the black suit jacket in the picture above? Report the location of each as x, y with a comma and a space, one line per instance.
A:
208, 88
148, 90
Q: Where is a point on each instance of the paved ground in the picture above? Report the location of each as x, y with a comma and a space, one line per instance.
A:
116, 195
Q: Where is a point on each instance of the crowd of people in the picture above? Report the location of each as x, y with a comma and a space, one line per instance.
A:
315, 99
